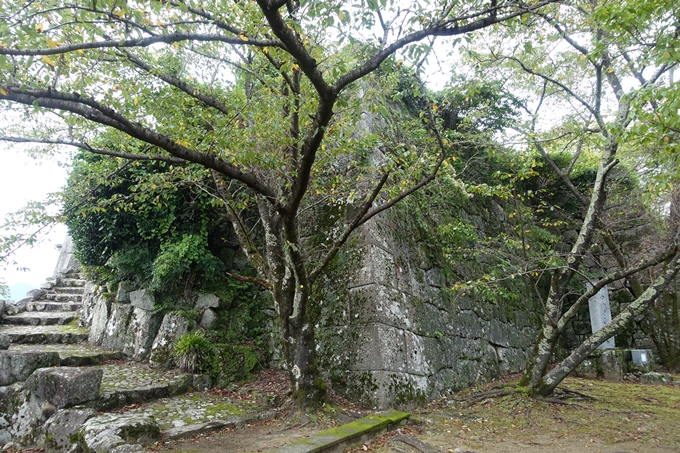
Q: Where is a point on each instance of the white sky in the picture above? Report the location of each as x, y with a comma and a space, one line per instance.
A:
24, 179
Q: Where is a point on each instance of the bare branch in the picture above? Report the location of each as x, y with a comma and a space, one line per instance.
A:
659, 258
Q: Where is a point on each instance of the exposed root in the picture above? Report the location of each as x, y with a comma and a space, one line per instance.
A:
555, 400
477, 397
574, 392
415, 443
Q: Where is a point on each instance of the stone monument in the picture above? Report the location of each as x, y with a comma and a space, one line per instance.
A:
600, 314
66, 262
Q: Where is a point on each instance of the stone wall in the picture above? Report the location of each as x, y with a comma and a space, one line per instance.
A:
391, 332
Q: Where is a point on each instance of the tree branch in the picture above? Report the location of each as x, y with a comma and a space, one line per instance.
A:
623, 273
94, 111
193, 92
143, 42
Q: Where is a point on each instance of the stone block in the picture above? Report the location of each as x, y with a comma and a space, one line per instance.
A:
655, 378
62, 428
172, 327
142, 328
107, 432
142, 299
613, 364
116, 335
123, 294
18, 366
66, 386
100, 317
4, 341
207, 301
208, 319
27, 419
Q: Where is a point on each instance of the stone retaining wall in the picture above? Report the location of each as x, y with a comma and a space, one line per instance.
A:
393, 333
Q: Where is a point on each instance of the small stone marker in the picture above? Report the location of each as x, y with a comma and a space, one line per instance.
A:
600, 314
640, 356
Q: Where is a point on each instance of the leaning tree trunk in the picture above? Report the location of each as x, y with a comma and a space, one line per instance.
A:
551, 379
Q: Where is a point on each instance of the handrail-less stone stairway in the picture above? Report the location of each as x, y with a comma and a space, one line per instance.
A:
63, 394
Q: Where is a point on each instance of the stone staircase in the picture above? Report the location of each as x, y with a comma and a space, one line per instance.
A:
41, 342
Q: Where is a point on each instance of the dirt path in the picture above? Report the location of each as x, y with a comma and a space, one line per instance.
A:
253, 438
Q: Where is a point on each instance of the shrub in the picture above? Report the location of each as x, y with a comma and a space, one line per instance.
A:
193, 353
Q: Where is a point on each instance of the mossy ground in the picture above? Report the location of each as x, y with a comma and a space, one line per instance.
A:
626, 417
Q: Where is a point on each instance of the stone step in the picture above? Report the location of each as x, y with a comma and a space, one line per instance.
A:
41, 318
63, 297
72, 354
69, 289
127, 383
195, 413
166, 419
53, 306
45, 334
68, 281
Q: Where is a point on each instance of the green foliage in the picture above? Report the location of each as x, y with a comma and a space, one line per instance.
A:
177, 259
225, 363
194, 353
234, 363
242, 318
148, 223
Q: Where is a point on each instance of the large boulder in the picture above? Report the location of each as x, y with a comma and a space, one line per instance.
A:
208, 319
116, 335
142, 299
143, 327
2, 309
66, 386
107, 432
207, 301
18, 366
91, 296
21, 416
123, 294
99, 320
62, 429
172, 327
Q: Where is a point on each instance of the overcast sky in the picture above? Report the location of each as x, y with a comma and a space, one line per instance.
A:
24, 179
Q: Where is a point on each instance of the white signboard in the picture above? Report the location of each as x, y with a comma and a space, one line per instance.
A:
600, 314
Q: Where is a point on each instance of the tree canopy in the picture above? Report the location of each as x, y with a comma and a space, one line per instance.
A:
289, 109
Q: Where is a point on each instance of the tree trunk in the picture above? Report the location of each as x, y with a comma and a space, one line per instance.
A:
299, 346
